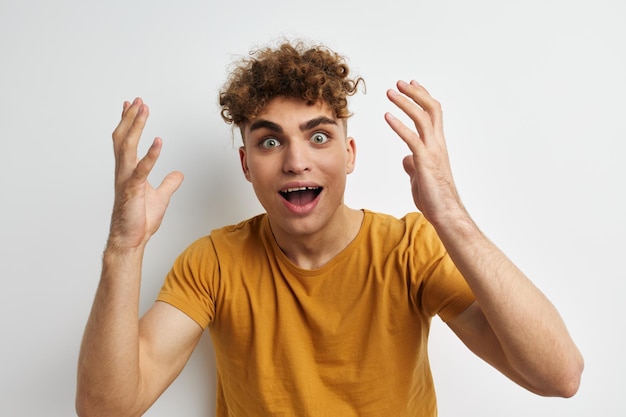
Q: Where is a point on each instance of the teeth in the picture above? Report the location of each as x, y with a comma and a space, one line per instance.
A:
291, 190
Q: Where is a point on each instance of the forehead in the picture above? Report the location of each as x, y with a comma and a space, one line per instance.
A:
292, 113
290, 108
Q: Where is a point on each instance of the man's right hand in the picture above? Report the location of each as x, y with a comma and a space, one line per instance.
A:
126, 363
139, 207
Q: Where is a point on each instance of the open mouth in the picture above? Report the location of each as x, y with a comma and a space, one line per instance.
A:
301, 196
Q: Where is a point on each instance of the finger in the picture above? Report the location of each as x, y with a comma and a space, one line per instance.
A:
136, 127
409, 136
125, 107
419, 116
422, 97
144, 165
129, 110
170, 183
129, 113
127, 148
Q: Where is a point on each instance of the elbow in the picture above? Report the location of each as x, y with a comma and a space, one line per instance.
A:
82, 411
89, 406
82, 407
82, 403
559, 381
571, 382
568, 388
567, 385
88, 403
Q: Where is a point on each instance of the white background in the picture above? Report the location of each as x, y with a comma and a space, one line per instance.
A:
533, 94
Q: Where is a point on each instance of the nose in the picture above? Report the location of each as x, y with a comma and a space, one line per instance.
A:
296, 158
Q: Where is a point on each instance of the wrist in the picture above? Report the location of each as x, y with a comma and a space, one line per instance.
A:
116, 251
120, 243
121, 266
455, 223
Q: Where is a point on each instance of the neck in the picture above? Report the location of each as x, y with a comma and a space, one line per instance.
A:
314, 250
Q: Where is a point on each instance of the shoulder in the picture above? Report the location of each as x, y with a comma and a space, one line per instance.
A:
252, 225
233, 234
243, 237
410, 230
413, 221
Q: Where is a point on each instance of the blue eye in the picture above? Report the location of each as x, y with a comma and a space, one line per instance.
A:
319, 138
270, 143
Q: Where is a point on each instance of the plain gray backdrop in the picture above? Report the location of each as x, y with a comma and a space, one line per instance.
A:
533, 96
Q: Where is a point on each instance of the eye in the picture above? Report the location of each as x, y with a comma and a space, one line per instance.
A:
269, 143
319, 138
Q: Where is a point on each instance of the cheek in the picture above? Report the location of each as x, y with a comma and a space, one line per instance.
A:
336, 166
260, 170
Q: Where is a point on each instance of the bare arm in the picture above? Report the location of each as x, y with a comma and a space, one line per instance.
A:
126, 363
512, 325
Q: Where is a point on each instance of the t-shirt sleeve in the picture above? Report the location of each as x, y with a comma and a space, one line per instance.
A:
190, 284
441, 289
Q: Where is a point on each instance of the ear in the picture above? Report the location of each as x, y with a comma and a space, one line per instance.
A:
244, 162
351, 154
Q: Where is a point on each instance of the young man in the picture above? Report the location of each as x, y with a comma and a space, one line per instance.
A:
314, 308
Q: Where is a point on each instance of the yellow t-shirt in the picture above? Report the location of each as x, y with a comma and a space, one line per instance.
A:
347, 339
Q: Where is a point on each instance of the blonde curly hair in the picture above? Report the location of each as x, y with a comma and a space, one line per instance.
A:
294, 70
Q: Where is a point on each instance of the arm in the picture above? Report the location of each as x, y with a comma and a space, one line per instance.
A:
126, 363
512, 325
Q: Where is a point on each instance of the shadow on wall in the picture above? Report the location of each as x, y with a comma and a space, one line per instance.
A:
213, 194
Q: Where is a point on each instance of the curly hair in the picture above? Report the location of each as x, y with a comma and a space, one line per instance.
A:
312, 74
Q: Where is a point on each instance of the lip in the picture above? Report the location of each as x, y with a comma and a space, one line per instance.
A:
297, 209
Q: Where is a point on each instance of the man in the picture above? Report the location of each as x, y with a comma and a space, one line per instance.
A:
314, 308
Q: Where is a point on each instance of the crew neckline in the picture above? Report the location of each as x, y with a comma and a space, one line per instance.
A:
345, 252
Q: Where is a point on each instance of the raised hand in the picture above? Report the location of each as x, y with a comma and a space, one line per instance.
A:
139, 207
428, 167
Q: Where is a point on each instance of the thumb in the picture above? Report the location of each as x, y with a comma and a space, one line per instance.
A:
171, 182
409, 165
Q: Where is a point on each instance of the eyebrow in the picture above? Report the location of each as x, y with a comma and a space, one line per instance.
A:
274, 127
313, 123
262, 123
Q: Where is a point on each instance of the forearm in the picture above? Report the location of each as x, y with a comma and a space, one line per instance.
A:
108, 369
118, 375
529, 329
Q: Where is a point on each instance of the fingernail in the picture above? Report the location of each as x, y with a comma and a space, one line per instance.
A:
402, 83
415, 83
